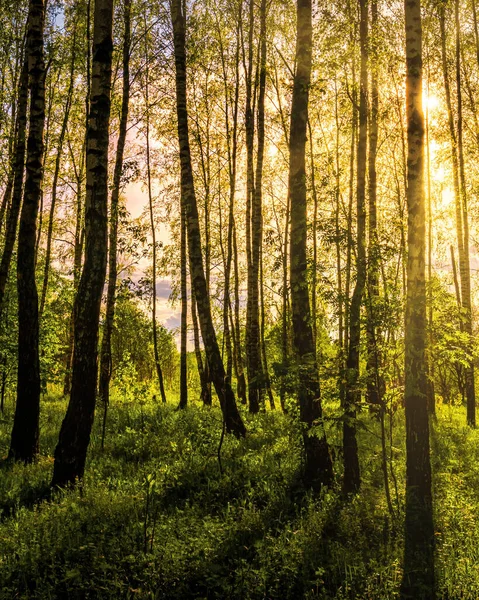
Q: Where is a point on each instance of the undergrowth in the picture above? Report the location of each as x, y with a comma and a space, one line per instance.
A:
156, 518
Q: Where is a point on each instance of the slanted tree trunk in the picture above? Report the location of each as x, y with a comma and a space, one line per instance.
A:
24, 443
105, 352
71, 450
7, 195
18, 170
352, 477
318, 466
232, 419
56, 175
418, 577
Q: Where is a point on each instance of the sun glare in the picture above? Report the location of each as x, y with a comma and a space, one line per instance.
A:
440, 175
430, 102
447, 196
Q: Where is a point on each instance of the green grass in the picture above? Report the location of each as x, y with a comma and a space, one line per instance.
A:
155, 518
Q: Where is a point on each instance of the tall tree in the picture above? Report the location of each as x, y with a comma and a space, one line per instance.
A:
318, 466
159, 372
79, 235
105, 352
374, 384
464, 266
460, 197
253, 332
25, 433
231, 126
71, 450
184, 316
418, 578
56, 173
232, 419
17, 189
352, 478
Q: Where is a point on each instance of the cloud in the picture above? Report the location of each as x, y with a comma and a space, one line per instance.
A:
163, 289
173, 321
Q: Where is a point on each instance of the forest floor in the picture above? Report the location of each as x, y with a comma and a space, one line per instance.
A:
156, 517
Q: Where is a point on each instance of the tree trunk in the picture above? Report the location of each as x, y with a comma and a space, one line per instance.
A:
232, 147
232, 419
77, 264
24, 443
349, 249
314, 274
56, 175
241, 379
202, 368
105, 352
255, 371
352, 477
79, 224
159, 371
373, 358
431, 395
339, 275
252, 330
318, 466
18, 170
184, 316
7, 196
462, 224
464, 266
418, 576
264, 357
71, 450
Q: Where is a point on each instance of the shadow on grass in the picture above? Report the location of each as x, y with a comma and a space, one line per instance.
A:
28, 496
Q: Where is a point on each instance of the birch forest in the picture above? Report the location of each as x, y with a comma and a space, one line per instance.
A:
239, 293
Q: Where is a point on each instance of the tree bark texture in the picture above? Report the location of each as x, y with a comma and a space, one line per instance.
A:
418, 577
24, 443
253, 333
105, 352
318, 465
71, 450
